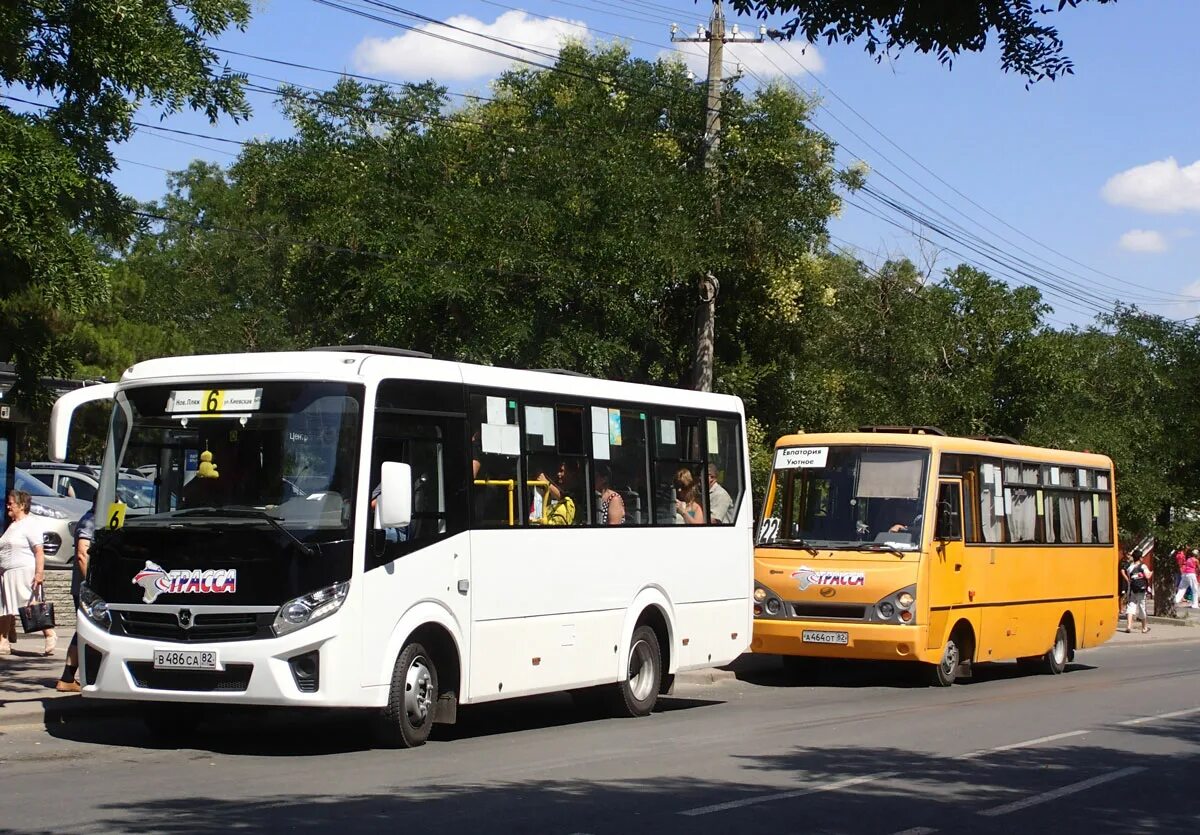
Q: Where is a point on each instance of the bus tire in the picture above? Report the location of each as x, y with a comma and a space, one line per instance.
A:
945, 672
637, 692
412, 701
171, 722
1055, 659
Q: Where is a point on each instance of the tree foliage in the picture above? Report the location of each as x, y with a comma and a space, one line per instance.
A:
1029, 46
59, 210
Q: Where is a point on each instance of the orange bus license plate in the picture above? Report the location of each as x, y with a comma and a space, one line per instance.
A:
816, 636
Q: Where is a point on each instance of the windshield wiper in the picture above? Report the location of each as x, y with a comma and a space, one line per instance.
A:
883, 546
246, 513
796, 543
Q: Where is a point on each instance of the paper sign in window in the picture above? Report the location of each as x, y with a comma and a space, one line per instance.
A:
666, 431
500, 440
497, 411
599, 419
600, 446
712, 438
614, 427
534, 424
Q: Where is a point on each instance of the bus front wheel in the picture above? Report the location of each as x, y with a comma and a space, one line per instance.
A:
945, 671
637, 692
408, 717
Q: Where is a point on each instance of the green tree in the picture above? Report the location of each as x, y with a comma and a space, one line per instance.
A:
1028, 44
59, 210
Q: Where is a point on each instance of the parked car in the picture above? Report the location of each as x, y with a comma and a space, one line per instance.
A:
80, 481
58, 514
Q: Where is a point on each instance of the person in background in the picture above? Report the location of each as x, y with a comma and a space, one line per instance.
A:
610, 507
22, 567
687, 504
1188, 566
85, 532
720, 504
1138, 574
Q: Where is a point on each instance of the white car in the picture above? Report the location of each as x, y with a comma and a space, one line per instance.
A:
58, 515
80, 481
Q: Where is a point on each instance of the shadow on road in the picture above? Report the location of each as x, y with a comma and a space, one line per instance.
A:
780, 791
284, 732
772, 671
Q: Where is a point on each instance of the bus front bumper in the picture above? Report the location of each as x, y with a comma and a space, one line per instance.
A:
253, 672
869, 641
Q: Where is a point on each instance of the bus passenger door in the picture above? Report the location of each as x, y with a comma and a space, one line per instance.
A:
947, 568
430, 559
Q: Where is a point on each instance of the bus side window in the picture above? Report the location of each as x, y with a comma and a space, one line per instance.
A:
723, 473
495, 461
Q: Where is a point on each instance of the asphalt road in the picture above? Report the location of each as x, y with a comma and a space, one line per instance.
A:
1111, 746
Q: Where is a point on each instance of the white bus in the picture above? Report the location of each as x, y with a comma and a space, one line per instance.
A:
371, 527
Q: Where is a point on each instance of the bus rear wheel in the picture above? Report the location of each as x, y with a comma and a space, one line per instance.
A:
637, 692
408, 717
1055, 659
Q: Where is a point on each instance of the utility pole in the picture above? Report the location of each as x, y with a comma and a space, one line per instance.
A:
708, 286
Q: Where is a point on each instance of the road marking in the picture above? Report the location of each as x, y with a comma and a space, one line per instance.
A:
1055, 794
1174, 714
1014, 745
767, 798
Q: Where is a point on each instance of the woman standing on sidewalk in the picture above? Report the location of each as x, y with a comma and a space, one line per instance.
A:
22, 566
1187, 578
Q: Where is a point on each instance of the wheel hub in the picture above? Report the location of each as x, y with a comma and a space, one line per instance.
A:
418, 691
641, 671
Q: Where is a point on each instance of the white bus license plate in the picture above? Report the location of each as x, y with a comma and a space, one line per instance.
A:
188, 659
816, 636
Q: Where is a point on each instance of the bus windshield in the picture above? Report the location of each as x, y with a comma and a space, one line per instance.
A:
844, 497
280, 451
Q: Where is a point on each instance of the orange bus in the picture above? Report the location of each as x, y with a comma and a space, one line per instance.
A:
902, 543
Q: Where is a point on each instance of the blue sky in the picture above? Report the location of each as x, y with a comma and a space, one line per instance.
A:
1092, 181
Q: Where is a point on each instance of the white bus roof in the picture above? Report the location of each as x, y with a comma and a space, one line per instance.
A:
369, 366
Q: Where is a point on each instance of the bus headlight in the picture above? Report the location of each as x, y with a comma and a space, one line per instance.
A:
767, 603
897, 607
94, 607
310, 608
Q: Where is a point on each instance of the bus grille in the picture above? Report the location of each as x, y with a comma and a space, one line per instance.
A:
829, 611
234, 678
225, 626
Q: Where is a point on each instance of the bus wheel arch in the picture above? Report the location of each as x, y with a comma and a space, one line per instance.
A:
958, 652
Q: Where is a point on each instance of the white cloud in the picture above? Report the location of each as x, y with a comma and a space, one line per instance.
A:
1186, 309
415, 55
1143, 240
1161, 187
762, 60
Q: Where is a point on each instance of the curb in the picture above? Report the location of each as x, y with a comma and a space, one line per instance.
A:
57, 710
709, 675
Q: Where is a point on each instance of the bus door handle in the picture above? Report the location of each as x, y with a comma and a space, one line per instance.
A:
464, 586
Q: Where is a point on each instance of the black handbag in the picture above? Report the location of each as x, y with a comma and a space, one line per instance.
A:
38, 614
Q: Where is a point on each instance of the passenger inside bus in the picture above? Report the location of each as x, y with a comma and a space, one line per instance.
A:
610, 505
687, 503
561, 495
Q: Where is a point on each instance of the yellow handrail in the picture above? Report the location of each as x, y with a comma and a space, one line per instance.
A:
511, 485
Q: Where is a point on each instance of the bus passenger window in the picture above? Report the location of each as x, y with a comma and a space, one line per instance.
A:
723, 474
495, 461
623, 439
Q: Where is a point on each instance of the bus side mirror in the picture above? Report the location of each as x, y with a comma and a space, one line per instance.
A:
395, 495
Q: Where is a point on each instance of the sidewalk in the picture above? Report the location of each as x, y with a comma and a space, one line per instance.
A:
27, 694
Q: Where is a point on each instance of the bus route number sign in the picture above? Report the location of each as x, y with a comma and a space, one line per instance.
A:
799, 457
